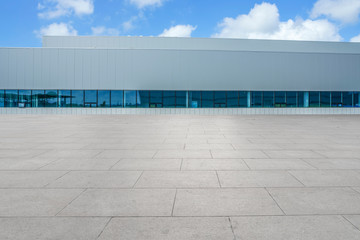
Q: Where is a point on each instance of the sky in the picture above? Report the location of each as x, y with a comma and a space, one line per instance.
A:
23, 22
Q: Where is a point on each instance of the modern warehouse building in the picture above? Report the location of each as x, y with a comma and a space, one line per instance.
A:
180, 75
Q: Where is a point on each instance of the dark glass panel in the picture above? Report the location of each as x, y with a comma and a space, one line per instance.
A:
301, 99
291, 99
64, 98
336, 99
11, 98
117, 99
314, 99
180, 99
169, 99
104, 98
243, 99
220, 99
207, 99
37, 98
256, 99
90, 96
347, 99
143, 98
2, 98
356, 99
232, 99
51, 98
156, 99
324, 99
25, 98
129, 98
280, 99
77, 98
268, 99
194, 99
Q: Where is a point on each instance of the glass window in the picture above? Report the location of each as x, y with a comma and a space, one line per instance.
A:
117, 99
77, 98
256, 99
129, 99
232, 99
268, 99
38, 98
51, 98
291, 99
347, 99
302, 102
207, 99
2, 98
280, 99
91, 96
169, 99
180, 99
336, 99
314, 99
243, 99
220, 99
325, 99
156, 99
104, 99
64, 98
11, 98
356, 99
143, 98
25, 97
194, 99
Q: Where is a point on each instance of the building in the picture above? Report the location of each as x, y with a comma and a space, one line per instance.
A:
119, 73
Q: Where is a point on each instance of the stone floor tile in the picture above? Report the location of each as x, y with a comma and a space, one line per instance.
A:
354, 219
51, 228
224, 202
174, 228
289, 154
122, 202
127, 154
23, 163
183, 154
237, 154
224, 146
28, 179
178, 179
294, 228
213, 164
340, 153
235, 179
24, 153
277, 164
148, 164
295, 201
68, 153
334, 163
81, 164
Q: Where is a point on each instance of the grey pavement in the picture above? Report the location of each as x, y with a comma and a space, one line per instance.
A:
179, 177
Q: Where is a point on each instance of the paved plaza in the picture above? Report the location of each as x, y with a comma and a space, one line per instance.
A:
179, 177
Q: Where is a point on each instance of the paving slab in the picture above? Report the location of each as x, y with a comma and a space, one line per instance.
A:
237, 154
292, 154
354, 219
28, 179
277, 164
294, 228
340, 153
174, 228
68, 153
126, 154
213, 164
23, 163
148, 164
81, 164
183, 154
344, 163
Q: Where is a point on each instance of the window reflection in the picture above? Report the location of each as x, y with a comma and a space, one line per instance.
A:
356, 99
207, 99
336, 100
256, 99
11, 98
325, 99
51, 98
2, 98
169, 99
117, 99
194, 99
130, 99
280, 99
156, 99
243, 99
91, 98
38, 98
268, 99
64, 98
25, 98
143, 99
219, 99
347, 99
104, 99
314, 99
77, 98
232, 100
180, 99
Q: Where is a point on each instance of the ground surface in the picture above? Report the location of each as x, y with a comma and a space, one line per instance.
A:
180, 177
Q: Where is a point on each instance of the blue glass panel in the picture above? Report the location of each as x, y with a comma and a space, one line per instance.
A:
336, 99
207, 99
180, 99
232, 99
37, 98
314, 99
143, 98
2, 98
25, 97
77, 98
11, 98
129, 98
243, 99
347, 99
194, 99
291, 99
64, 98
104, 98
51, 98
356, 99
301, 99
156, 99
256, 99
324, 99
117, 99
169, 99
268, 99
280, 99
220, 99
90, 96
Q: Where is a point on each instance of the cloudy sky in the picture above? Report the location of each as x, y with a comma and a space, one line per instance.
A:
23, 22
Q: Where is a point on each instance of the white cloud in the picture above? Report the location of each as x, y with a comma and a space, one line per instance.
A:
355, 39
147, 3
56, 8
103, 31
263, 22
57, 29
178, 31
346, 11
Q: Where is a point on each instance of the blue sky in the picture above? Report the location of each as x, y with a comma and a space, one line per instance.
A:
23, 22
